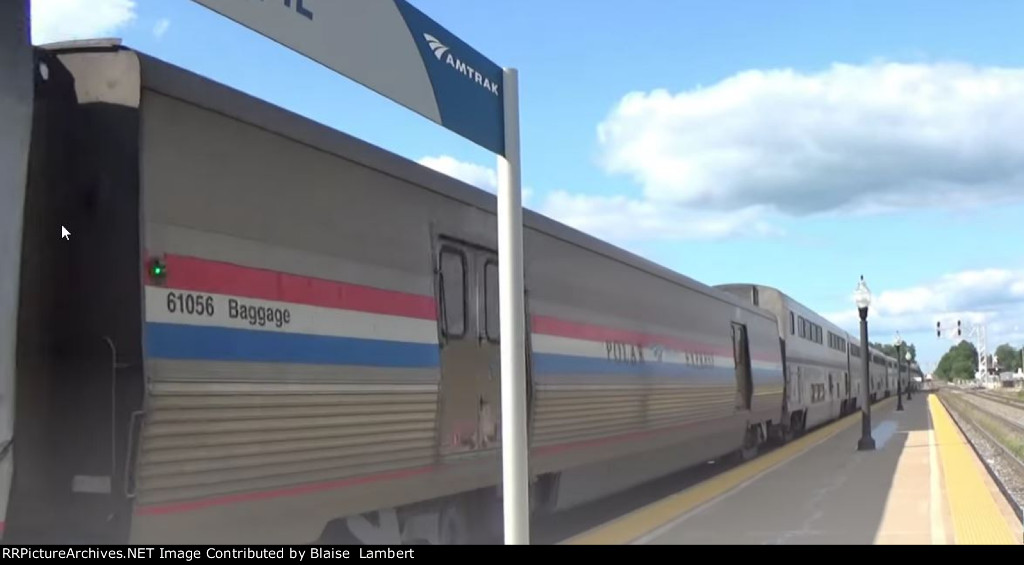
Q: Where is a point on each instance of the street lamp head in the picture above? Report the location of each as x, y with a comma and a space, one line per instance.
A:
907, 356
862, 295
898, 341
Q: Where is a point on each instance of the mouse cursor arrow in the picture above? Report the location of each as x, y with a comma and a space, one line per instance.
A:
64, 233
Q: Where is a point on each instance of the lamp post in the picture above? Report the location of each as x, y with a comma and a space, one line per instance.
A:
907, 357
862, 296
898, 342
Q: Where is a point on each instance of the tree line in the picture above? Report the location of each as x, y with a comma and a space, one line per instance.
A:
961, 361
890, 350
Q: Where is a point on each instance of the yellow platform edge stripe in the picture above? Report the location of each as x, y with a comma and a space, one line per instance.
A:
646, 519
976, 516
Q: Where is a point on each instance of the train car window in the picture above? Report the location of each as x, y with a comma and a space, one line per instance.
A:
453, 289
491, 301
792, 324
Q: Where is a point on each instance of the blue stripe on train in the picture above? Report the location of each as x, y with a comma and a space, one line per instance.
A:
179, 341
553, 363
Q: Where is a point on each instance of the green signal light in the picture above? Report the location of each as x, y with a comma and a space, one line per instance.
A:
157, 268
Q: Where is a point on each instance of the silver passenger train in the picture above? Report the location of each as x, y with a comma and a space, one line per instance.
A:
267, 331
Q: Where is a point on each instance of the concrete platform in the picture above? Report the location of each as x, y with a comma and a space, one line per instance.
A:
922, 485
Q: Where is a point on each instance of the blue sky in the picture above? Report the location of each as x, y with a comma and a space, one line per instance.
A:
734, 147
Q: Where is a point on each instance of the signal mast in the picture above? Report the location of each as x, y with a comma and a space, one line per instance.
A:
978, 335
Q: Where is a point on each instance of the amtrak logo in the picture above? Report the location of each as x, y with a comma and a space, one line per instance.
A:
439, 48
444, 55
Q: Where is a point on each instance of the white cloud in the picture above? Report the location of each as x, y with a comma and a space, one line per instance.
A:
618, 219
861, 139
732, 158
994, 297
477, 175
161, 27
64, 20
622, 219
469, 173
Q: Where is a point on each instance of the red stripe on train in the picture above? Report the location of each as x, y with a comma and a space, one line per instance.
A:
575, 330
203, 275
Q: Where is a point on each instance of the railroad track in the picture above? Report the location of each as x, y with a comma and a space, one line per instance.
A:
1001, 398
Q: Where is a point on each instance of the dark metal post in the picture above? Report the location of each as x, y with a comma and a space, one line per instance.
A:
899, 379
866, 443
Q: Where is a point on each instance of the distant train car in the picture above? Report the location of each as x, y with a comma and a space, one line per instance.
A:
890, 376
879, 372
856, 358
266, 331
819, 385
916, 381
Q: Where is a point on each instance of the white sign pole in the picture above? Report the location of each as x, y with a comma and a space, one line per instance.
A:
514, 454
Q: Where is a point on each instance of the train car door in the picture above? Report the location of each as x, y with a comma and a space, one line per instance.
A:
833, 397
846, 391
470, 405
744, 380
489, 333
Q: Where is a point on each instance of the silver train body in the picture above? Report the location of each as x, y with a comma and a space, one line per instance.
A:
267, 331
823, 363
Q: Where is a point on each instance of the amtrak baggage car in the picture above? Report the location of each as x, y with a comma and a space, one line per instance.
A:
263, 330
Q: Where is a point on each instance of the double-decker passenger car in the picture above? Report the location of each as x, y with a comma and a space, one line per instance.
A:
820, 379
